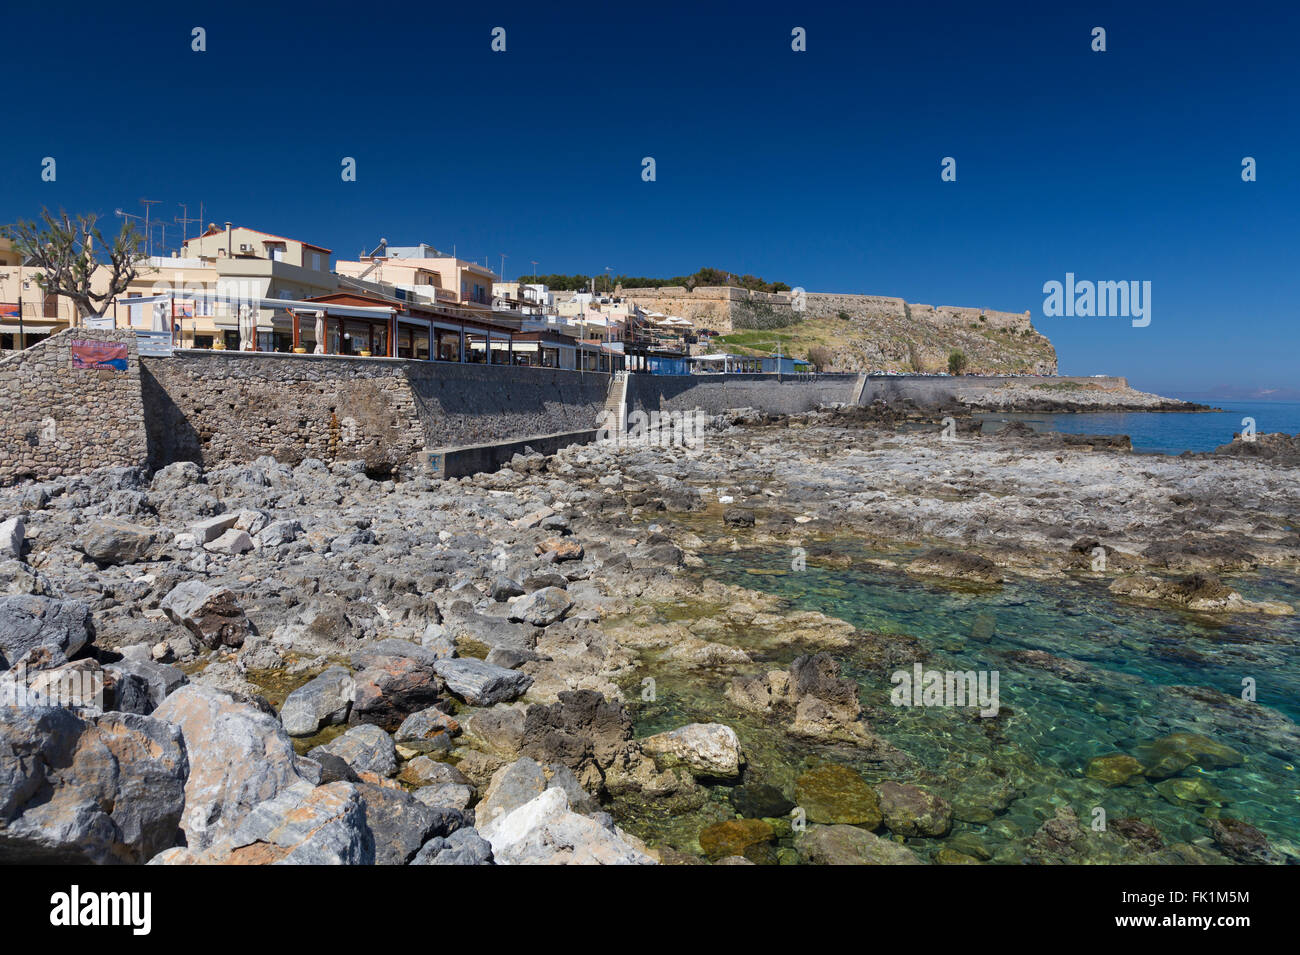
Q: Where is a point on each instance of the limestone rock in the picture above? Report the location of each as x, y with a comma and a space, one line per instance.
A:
706, 749
101, 789
480, 683
239, 757
545, 832
212, 614
325, 700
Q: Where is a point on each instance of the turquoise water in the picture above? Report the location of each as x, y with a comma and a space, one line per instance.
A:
1110, 690
1166, 432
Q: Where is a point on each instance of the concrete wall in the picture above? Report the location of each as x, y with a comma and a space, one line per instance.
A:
56, 419
718, 393
462, 404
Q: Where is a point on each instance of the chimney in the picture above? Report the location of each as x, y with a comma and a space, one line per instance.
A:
228, 241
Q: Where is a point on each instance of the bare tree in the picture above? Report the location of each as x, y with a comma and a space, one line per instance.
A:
64, 249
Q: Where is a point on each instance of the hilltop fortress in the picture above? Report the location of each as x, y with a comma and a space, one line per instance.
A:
878, 331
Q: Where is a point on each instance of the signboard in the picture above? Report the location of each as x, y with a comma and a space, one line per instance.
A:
182, 308
8, 310
157, 344
100, 356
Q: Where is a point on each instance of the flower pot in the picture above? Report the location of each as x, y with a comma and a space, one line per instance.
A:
300, 350
365, 353
218, 346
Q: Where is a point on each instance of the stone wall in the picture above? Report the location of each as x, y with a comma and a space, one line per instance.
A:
215, 409
224, 408
56, 419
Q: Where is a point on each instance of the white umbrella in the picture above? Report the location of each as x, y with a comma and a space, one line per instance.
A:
320, 333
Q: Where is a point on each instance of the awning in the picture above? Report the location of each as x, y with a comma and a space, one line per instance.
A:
28, 329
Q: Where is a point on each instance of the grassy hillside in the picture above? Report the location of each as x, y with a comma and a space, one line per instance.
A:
857, 344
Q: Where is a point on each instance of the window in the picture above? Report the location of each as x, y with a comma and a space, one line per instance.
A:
51, 306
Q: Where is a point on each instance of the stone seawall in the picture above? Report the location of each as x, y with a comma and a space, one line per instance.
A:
56, 419
718, 393
212, 408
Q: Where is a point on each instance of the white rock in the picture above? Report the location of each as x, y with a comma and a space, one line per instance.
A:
231, 542
544, 831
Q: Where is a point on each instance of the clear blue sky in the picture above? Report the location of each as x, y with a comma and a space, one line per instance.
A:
820, 169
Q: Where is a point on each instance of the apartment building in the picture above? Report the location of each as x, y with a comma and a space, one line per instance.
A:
427, 273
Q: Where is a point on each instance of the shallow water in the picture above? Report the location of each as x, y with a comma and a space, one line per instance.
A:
1114, 698
1164, 432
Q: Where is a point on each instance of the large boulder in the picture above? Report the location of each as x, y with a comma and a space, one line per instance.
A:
392, 688
239, 755
542, 607
116, 542
79, 789
12, 534
544, 831
365, 748
301, 825
29, 622
402, 824
323, 701
706, 749
211, 613
582, 730
480, 683
462, 847
140, 686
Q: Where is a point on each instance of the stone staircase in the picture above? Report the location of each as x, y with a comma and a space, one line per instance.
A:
615, 416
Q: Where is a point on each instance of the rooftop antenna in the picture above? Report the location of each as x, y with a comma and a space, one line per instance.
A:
148, 235
503, 266
183, 221
534, 261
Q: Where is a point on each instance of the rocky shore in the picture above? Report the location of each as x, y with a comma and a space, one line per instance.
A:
299, 664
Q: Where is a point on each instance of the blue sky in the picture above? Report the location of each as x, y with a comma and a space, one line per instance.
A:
820, 169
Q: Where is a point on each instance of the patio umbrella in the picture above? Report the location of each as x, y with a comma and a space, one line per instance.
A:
320, 333
245, 326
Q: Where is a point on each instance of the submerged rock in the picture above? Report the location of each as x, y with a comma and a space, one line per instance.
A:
911, 811
835, 794
849, 845
734, 837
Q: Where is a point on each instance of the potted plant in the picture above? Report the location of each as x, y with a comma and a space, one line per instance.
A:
365, 353
299, 350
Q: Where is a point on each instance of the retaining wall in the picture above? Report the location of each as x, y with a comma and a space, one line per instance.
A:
56, 419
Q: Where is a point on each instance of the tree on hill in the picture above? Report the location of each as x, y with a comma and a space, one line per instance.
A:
821, 357
66, 249
956, 362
